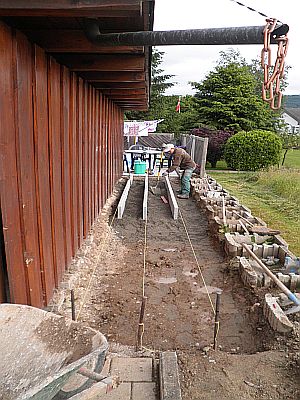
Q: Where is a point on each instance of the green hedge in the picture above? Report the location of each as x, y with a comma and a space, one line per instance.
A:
254, 150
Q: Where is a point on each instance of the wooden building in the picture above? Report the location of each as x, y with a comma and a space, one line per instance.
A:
62, 100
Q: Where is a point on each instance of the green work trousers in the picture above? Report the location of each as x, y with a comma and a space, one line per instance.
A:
186, 181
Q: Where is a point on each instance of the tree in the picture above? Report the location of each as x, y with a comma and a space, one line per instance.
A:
227, 98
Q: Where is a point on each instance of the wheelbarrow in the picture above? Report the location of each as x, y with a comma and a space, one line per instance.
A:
41, 352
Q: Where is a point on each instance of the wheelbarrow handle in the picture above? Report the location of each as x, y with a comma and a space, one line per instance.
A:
90, 374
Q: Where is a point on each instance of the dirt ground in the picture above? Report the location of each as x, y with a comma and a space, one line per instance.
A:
251, 361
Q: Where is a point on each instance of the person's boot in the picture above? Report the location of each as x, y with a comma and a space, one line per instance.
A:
183, 196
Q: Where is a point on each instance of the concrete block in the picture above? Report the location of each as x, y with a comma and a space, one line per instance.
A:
121, 392
293, 281
267, 282
132, 369
281, 242
275, 315
169, 376
144, 391
248, 275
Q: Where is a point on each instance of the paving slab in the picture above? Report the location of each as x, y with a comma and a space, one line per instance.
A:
132, 369
122, 392
144, 391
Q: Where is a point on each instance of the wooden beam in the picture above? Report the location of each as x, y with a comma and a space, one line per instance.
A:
113, 76
75, 41
172, 199
88, 62
124, 92
62, 8
119, 85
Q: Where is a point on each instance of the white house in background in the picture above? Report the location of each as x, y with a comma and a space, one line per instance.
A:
291, 117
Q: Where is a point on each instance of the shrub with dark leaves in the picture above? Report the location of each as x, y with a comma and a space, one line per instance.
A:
216, 143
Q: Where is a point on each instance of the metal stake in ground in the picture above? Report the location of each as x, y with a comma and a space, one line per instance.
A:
217, 322
73, 305
139, 344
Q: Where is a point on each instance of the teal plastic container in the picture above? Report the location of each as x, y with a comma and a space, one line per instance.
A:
139, 167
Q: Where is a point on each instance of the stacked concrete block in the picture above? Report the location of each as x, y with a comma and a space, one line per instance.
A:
233, 224
233, 245
233, 231
250, 269
230, 211
275, 315
249, 276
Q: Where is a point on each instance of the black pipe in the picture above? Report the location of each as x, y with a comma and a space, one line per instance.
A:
212, 36
73, 305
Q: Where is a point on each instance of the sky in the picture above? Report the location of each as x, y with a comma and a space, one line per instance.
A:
193, 63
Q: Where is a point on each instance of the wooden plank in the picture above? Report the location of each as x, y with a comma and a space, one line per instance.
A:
104, 150
97, 111
101, 156
80, 121
145, 200
119, 85
90, 8
56, 168
41, 141
119, 92
75, 41
9, 194
172, 199
113, 76
66, 178
85, 162
106, 13
109, 155
26, 166
123, 199
98, 62
74, 161
92, 162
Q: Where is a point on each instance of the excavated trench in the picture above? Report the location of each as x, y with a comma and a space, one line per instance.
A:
179, 307
251, 361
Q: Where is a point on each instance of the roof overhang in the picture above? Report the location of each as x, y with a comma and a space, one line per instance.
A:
122, 73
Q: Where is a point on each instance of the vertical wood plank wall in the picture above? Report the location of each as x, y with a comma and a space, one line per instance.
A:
61, 146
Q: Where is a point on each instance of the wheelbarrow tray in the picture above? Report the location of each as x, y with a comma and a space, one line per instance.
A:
39, 351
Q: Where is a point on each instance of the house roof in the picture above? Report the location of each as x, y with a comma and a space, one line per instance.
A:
294, 113
58, 26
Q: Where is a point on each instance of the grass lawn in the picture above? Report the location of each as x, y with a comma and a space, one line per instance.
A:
273, 196
292, 159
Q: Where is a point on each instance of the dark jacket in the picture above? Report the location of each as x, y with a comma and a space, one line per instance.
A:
182, 160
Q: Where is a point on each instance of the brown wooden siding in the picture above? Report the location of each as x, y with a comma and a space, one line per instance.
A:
61, 154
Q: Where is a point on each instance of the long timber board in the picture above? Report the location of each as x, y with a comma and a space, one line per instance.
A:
145, 200
172, 200
123, 199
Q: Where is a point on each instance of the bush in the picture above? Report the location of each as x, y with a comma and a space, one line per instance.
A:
251, 151
216, 143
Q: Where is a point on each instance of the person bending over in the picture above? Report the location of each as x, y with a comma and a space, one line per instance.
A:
180, 160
